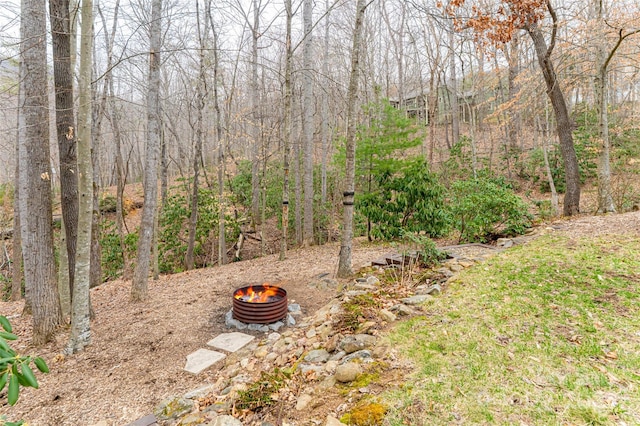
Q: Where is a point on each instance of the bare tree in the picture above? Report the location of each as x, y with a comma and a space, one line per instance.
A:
139, 290
286, 131
80, 308
307, 121
201, 93
603, 58
344, 265
35, 176
59, 12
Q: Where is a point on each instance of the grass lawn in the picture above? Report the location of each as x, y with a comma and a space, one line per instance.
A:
542, 334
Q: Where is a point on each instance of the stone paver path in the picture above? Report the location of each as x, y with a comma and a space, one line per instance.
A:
230, 342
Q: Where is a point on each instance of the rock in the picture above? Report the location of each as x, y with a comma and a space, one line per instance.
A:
191, 420
200, 392
294, 308
271, 357
387, 315
332, 421
311, 333
327, 383
433, 289
504, 242
101, 423
416, 300
456, 267
303, 401
366, 327
308, 368
291, 321
275, 326
402, 310
317, 355
258, 327
226, 421
445, 271
360, 355
324, 331
350, 344
173, 408
261, 352
371, 280
338, 356
330, 366
466, 263
354, 293
347, 372
365, 286
230, 322
331, 344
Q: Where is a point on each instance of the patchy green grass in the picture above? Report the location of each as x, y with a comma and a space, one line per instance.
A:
543, 334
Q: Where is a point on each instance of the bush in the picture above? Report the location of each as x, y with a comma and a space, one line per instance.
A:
173, 234
484, 208
112, 258
16, 370
409, 200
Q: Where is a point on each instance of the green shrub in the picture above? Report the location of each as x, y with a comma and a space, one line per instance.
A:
16, 370
425, 247
483, 208
173, 235
112, 258
409, 199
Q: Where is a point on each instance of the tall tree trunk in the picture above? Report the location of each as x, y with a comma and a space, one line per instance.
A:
201, 93
16, 275
80, 315
286, 131
564, 124
325, 110
344, 264
603, 58
307, 121
453, 93
114, 120
59, 13
35, 168
514, 123
255, 117
139, 288
222, 243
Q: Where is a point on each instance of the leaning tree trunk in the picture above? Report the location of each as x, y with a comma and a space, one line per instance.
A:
139, 288
35, 193
344, 264
80, 315
307, 122
65, 129
564, 125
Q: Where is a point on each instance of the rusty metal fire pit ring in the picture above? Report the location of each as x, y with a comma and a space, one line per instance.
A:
260, 312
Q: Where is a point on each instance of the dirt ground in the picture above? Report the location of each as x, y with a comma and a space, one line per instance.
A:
138, 350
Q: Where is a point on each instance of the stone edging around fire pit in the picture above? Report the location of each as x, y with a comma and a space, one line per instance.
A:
314, 347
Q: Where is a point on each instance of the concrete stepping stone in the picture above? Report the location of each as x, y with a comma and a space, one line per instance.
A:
202, 359
230, 342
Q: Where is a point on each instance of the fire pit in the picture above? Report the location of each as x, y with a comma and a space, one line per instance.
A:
260, 304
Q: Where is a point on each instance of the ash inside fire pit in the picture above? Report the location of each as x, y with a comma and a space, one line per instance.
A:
260, 304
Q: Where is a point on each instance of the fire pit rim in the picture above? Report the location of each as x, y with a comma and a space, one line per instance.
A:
256, 312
